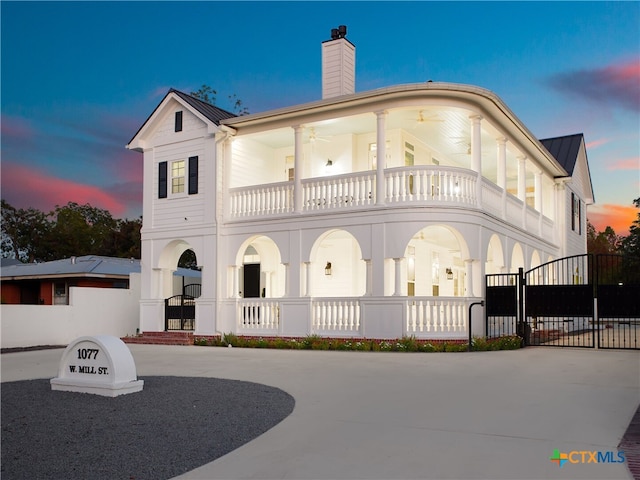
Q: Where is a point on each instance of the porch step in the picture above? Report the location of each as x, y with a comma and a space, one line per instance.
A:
161, 338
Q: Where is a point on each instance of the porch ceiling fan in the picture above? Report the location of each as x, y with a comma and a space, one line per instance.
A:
313, 136
422, 118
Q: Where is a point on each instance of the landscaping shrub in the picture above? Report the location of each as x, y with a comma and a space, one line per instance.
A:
404, 344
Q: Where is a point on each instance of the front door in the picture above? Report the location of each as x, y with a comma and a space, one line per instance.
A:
251, 282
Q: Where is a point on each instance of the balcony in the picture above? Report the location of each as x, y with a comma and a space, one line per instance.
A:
427, 185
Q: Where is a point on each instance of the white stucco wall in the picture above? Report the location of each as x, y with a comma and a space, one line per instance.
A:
91, 311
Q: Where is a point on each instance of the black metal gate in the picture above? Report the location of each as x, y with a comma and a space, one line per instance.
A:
179, 313
579, 301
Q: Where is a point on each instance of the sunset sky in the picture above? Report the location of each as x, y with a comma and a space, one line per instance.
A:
78, 79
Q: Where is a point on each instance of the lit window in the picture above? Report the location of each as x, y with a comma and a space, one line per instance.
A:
177, 177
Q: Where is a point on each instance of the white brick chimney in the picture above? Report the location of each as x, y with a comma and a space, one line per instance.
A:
338, 64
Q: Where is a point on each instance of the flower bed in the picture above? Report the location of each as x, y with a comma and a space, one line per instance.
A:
404, 344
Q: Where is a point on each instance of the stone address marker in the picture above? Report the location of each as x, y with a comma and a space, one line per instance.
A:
102, 365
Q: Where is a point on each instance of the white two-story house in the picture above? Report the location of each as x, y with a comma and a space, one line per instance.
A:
364, 214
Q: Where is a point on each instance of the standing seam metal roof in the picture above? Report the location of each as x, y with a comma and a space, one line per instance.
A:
212, 112
564, 149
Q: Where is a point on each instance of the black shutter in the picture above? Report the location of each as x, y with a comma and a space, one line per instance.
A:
178, 121
162, 180
193, 175
573, 212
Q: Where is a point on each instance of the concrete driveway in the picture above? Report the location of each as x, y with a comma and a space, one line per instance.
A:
494, 415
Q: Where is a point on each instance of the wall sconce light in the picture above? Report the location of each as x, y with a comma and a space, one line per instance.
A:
449, 274
329, 162
327, 268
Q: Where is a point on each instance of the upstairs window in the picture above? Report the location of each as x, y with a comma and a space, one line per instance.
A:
576, 214
177, 177
178, 123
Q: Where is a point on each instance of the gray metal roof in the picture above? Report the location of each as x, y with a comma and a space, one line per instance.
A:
212, 112
564, 149
89, 265
85, 266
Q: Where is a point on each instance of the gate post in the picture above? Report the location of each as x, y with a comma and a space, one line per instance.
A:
522, 329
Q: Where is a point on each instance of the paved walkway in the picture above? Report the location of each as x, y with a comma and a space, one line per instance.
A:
497, 415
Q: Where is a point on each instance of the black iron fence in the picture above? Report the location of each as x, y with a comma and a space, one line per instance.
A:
579, 301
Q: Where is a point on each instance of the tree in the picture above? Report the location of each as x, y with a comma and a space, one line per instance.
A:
125, 239
81, 230
24, 233
208, 95
630, 245
602, 242
71, 230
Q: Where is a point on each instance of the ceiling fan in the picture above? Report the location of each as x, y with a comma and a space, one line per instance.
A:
313, 136
422, 118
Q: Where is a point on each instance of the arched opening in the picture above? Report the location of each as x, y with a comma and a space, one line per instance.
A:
337, 268
187, 279
261, 273
434, 264
517, 258
179, 282
495, 256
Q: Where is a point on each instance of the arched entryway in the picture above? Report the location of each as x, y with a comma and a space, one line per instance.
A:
336, 268
434, 265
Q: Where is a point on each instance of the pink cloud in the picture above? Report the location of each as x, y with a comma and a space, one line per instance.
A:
625, 164
15, 127
597, 143
617, 84
618, 217
24, 187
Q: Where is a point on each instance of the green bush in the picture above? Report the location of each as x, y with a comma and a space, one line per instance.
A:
404, 344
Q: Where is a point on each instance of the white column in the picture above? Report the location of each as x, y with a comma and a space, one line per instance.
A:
476, 146
287, 291
369, 278
502, 172
297, 170
398, 277
476, 154
381, 156
227, 149
236, 288
522, 187
307, 291
538, 190
538, 198
522, 178
468, 277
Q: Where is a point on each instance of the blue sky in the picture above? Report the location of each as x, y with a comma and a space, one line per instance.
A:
79, 78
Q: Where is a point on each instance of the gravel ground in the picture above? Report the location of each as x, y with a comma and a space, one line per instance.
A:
173, 425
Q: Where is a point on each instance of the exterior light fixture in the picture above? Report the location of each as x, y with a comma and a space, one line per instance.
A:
329, 162
449, 274
327, 268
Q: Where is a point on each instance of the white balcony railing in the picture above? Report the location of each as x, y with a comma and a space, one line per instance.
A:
430, 184
338, 192
417, 185
261, 200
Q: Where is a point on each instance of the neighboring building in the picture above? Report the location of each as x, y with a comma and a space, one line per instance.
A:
48, 283
373, 214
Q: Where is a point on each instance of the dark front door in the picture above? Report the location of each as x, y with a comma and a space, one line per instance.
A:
251, 284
